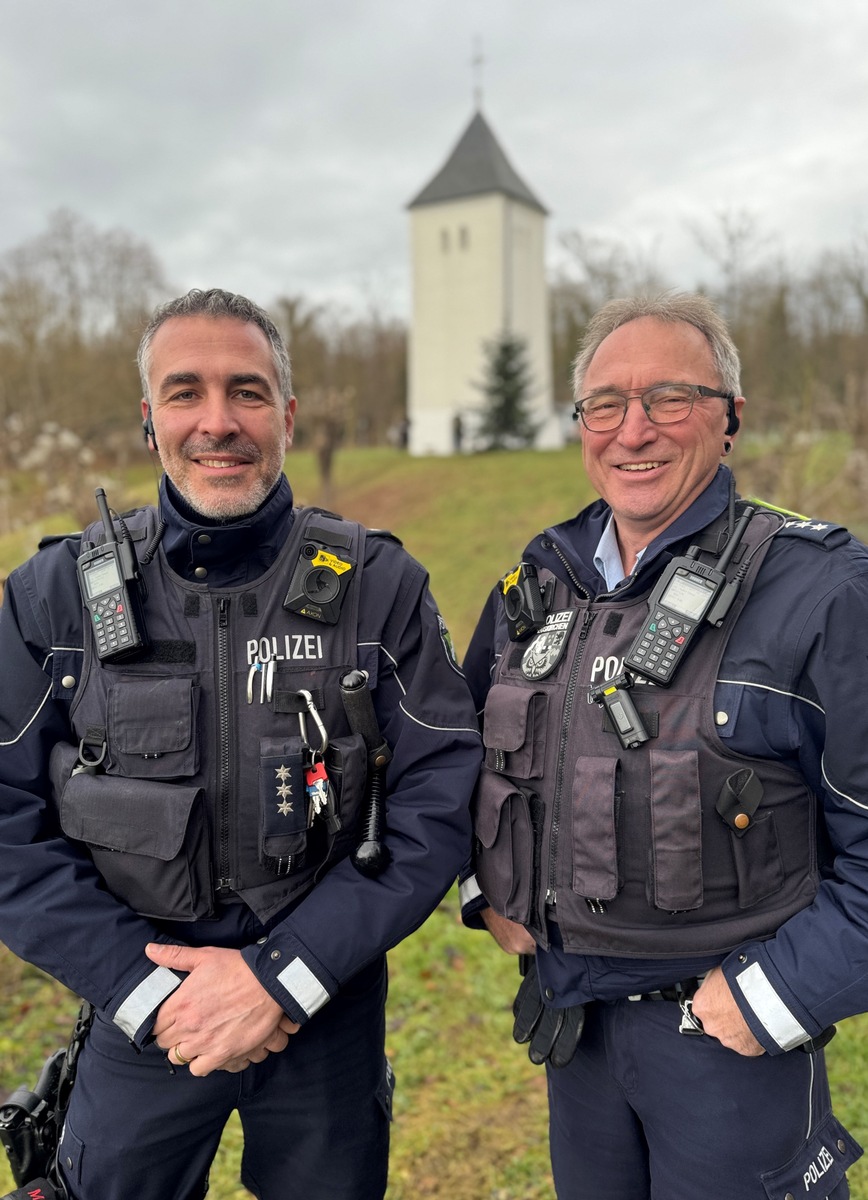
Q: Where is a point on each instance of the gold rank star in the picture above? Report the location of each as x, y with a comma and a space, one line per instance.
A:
282, 772
284, 808
284, 790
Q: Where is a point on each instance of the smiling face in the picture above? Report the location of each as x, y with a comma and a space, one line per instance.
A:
649, 474
220, 423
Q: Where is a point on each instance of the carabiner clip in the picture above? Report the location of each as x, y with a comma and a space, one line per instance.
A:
314, 712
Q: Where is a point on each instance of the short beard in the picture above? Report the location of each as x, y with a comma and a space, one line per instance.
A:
228, 506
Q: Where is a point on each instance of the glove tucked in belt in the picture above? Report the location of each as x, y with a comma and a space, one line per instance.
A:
553, 1033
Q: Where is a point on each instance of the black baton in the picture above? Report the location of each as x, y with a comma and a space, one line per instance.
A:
371, 856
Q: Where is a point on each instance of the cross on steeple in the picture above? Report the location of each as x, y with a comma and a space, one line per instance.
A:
476, 62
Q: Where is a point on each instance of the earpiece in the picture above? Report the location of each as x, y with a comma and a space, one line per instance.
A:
148, 428
732, 421
727, 446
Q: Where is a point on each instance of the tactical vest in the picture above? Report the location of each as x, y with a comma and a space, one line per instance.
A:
197, 788
678, 847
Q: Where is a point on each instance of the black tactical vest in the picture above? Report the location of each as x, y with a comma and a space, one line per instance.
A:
679, 847
200, 790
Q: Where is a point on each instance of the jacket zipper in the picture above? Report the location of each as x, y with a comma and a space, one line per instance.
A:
224, 770
551, 890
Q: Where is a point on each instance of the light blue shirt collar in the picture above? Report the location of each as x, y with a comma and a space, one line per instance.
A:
607, 556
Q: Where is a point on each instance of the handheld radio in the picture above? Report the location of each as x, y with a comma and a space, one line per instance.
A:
109, 579
687, 594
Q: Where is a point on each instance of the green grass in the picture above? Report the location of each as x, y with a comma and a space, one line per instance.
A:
470, 1110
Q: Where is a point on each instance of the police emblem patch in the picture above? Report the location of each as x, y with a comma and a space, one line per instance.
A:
446, 639
547, 648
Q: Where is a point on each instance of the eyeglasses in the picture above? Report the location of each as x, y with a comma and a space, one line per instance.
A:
665, 404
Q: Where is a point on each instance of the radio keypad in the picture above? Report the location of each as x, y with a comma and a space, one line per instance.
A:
110, 623
658, 647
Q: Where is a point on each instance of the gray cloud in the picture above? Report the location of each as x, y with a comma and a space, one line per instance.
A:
272, 147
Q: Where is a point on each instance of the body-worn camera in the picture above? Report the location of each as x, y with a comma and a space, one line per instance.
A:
524, 602
319, 582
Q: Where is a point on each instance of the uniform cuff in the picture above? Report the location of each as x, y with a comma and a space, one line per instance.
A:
473, 903
136, 1014
772, 1019
291, 975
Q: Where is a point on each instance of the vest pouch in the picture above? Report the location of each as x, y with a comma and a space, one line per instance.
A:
284, 808
675, 856
508, 856
147, 839
150, 728
514, 731
757, 856
346, 761
596, 801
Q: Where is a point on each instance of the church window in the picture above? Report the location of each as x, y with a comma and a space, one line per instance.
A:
464, 237
444, 240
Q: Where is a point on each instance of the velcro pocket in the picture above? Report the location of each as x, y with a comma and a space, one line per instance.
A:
346, 760
147, 839
514, 731
595, 828
820, 1165
675, 880
151, 728
506, 856
758, 864
283, 808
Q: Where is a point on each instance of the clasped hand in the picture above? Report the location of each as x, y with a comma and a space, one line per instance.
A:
221, 1018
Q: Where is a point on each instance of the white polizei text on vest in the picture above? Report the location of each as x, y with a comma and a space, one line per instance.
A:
610, 668
284, 649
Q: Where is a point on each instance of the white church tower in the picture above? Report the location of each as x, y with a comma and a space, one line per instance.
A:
478, 267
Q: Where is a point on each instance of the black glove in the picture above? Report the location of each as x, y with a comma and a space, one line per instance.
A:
553, 1033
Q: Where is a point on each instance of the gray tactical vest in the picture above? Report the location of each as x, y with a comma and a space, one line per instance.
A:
200, 792
679, 847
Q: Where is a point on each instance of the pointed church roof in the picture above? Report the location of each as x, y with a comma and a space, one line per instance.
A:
477, 165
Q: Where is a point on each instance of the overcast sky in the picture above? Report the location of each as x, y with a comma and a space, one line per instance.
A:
272, 146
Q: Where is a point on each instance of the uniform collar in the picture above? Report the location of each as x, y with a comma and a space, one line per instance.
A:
224, 555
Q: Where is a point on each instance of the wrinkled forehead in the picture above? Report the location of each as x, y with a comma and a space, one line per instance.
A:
203, 345
646, 351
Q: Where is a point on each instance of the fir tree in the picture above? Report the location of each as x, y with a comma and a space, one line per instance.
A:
505, 421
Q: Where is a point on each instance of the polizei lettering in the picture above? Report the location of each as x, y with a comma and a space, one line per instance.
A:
818, 1168
285, 648
603, 669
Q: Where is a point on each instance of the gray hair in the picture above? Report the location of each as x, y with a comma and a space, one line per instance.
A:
216, 303
691, 308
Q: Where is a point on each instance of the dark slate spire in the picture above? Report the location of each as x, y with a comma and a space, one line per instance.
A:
476, 166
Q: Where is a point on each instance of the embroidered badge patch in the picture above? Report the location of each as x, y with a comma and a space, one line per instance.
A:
446, 639
547, 648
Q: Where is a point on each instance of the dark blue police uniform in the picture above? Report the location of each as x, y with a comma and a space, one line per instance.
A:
315, 1117
644, 1109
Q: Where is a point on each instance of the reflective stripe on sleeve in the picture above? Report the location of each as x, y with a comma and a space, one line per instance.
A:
468, 890
304, 987
147, 997
770, 1009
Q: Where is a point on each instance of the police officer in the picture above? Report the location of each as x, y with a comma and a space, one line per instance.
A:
187, 833
687, 857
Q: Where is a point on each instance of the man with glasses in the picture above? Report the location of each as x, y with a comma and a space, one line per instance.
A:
673, 812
